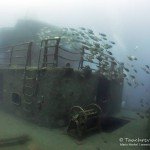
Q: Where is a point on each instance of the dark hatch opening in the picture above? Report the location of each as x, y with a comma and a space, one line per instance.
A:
16, 99
110, 124
103, 93
1, 87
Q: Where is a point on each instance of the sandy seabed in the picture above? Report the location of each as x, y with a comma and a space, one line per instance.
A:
56, 139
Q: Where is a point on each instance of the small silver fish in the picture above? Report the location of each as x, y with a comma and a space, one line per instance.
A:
124, 75
99, 58
132, 76
82, 28
107, 46
72, 29
97, 45
135, 70
110, 53
90, 31
105, 39
129, 84
102, 34
147, 66
131, 58
114, 62
126, 69
112, 42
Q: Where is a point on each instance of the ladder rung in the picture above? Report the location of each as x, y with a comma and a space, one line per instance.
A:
28, 86
55, 38
47, 63
25, 109
50, 46
16, 103
28, 75
48, 54
29, 95
8, 51
28, 71
3, 58
20, 64
5, 64
28, 68
29, 103
28, 78
19, 49
18, 57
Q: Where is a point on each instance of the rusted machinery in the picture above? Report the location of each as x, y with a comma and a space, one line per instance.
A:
84, 120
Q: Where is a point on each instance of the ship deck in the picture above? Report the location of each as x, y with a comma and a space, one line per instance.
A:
56, 139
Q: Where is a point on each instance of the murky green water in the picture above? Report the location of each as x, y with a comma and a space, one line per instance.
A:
57, 139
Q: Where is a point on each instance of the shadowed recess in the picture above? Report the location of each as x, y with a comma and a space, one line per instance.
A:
111, 124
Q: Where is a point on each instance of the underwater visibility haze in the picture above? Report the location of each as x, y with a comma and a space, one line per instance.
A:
74, 74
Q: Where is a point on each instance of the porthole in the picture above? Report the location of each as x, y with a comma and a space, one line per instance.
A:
16, 99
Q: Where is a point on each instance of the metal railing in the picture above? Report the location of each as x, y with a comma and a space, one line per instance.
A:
16, 56
112, 70
53, 55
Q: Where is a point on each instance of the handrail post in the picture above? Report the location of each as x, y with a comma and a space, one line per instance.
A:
56, 52
45, 54
112, 69
121, 66
81, 59
29, 54
10, 58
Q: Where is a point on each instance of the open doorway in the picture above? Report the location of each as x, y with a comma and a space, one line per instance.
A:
103, 93
1, 87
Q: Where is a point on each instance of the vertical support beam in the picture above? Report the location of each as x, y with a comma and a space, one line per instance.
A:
81, 60
112, 69
28, 59
121, 66
56, 52
39, 58
101, 71
10, 58
45, 54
